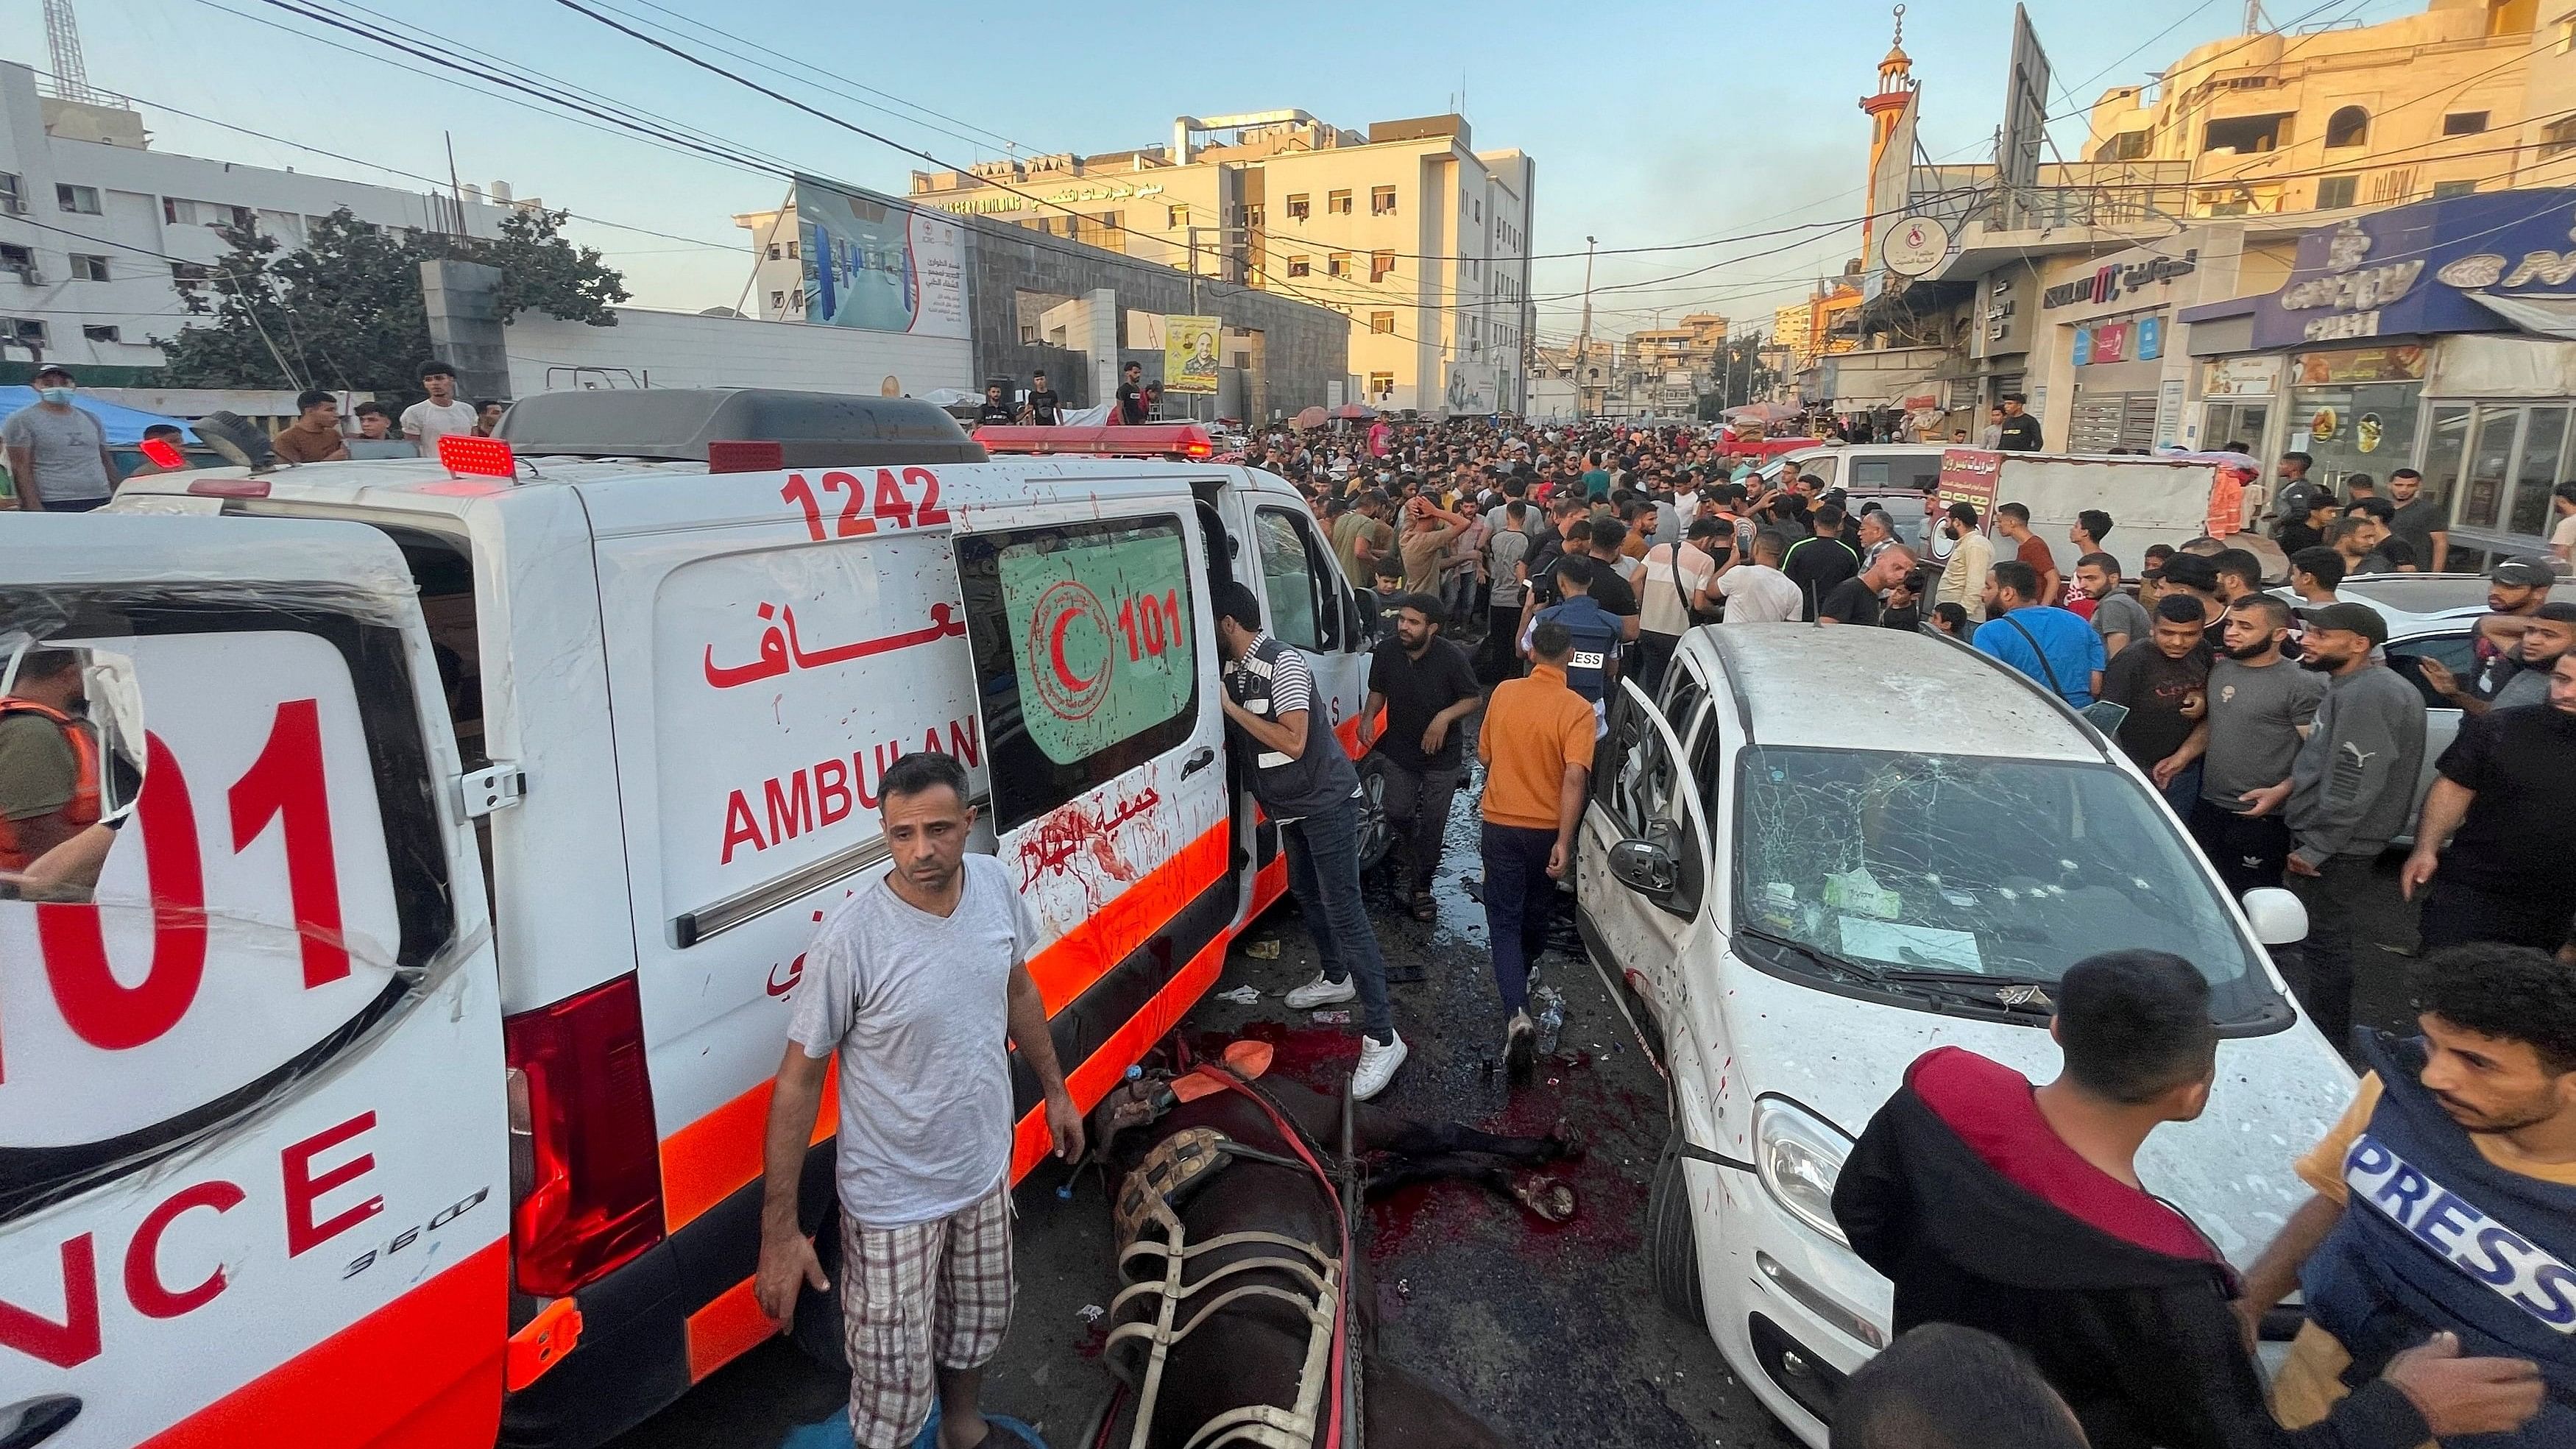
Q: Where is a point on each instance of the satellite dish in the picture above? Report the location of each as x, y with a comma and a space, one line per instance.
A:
243, 443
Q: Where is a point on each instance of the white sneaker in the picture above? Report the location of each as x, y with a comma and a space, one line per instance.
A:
1377, 1065
1320, 992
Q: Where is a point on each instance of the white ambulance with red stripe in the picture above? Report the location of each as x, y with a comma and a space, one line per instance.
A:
401, 1081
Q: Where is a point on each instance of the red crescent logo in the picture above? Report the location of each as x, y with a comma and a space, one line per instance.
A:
1065, 693
1055, 651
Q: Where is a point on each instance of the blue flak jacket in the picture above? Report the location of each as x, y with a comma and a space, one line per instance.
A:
2434, 1237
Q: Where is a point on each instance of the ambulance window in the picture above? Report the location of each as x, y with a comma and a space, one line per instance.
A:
1094, 669
1288, 574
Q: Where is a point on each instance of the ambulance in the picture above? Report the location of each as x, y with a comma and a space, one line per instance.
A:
401, 1080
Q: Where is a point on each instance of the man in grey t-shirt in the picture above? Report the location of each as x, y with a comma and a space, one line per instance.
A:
2117, 615
918, 982
58, 458
2259, 708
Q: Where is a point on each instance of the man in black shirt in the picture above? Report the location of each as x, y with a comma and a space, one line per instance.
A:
2020, 430
1042, 401
2163, 679
1131, 394
1855, 599
995, 409
1427, 686
1821, 560
2508, 788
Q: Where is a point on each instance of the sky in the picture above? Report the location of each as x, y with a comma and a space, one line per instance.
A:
1671, 125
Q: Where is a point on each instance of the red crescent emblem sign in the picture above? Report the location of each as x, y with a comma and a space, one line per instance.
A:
1067, 692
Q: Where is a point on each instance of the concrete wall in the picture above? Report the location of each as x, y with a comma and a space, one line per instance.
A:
1304, 348
683, 349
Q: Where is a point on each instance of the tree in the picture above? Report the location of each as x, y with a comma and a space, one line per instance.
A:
345, 309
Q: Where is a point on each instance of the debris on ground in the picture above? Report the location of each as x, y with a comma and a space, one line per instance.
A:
1090, 1312
1263, 950
1332, 1018
1241, 995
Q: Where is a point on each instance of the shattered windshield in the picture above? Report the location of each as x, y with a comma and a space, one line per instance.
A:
1991, 867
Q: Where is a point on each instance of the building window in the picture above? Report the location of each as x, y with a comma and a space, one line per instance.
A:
178, 211
2349, 126
2126, 146
95, 333
12, 198
1339, 264
88, 268
16, 258
778, 301
776, 252
185, 273
1381, 201
81, 199
1337, 203
791, 251
1381, 266
2335, 191
1254, 216
1381, 384
2559, 136
24, 331
2443, 189
1300, 266
1382, 323
2464, 123
1298, 206
796, 301
1176, 217
1107, 230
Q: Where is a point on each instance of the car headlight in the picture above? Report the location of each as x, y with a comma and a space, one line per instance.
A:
1800, 1155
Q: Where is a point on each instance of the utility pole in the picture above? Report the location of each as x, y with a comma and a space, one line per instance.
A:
1583, 338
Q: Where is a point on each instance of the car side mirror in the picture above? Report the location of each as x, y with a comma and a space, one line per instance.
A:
2278, 917
1645, 866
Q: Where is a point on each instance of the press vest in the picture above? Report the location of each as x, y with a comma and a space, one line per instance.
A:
83, 809
2434, 1236
1316, 780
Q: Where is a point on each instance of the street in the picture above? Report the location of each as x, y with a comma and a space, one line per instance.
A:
1552, 1334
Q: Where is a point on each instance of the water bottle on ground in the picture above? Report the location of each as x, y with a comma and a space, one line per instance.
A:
1550, 1017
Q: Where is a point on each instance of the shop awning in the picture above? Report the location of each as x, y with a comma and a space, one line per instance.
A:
2540, 316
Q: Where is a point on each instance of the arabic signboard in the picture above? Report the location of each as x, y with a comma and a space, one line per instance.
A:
2240, 377
2110, 342
1915, 245
1190, 353
2400, 363
2418, 270
880, 265
1101, 632
1968, 475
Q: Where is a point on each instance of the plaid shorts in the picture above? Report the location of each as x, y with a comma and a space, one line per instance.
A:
936, 1291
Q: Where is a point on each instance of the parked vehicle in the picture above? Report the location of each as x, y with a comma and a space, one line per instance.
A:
485, 820
1810, 880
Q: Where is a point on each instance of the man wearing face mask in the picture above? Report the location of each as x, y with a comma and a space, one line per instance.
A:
58, 458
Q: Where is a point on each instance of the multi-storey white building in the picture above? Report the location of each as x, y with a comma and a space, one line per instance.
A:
1417, 237
96, 228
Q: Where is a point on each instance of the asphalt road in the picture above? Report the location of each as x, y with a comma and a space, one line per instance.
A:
1551, 1333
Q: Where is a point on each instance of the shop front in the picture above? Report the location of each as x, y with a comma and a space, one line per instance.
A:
2425, 336
2113, 346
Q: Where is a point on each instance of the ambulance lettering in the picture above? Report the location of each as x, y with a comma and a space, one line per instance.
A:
901, 498
165, 1269
2457, 1231
826, 793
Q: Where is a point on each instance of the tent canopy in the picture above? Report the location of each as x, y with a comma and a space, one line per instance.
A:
124, 426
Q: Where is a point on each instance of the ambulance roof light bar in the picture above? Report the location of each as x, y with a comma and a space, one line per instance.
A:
1184, 442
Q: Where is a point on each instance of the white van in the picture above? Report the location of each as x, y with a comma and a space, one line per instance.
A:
404, 1082
1811, 876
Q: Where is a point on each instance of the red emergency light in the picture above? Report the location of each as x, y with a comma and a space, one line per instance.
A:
1187, 442
164, 454
746, 455
467, 456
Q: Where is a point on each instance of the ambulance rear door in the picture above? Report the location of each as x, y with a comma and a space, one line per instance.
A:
1095, 675
254, 1168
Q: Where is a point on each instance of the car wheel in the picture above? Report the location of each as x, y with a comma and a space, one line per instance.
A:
819, 1332
1672, 1238
1376, 833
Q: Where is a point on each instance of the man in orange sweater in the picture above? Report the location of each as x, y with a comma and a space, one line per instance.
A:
1536, 744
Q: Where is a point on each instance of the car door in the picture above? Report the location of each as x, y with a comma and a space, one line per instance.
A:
1643, 791
254, 1172
1310, 609
2456, 651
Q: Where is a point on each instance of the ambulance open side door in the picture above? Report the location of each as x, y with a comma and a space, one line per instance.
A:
1095, 676
255, 1181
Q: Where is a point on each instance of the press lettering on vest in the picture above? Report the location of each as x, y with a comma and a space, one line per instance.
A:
2457, 1231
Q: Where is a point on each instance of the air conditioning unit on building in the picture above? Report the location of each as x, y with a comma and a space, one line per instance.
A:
29, 275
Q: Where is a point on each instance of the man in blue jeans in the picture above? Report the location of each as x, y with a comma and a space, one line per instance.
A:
2054, 646
1536, 744
1306, 783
